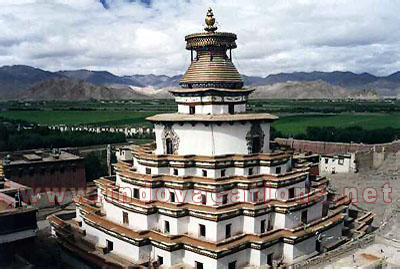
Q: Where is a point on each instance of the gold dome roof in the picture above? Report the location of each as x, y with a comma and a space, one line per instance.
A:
211, 66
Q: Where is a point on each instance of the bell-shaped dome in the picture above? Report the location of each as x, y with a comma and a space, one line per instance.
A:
211, 66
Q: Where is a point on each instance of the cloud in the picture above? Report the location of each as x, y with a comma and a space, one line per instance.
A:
143, 36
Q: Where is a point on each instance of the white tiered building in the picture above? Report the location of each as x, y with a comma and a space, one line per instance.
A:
210, 193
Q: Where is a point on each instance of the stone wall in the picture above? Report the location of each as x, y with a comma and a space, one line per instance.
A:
321, 147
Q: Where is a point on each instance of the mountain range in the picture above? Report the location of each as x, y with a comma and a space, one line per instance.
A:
26, 82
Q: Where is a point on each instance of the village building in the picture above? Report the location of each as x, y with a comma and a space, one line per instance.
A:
337, 163
17, 219
45, 168
210, 192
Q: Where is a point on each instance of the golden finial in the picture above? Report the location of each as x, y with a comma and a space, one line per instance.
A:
210, 21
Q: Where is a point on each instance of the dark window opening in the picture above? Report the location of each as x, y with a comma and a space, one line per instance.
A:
148, 171
192, 110
326, 160
250, 171
262, 229
304, 217
168, 143
231, 109
203, 199
125, 218
136, 193
228, 228
291, 193
175, 172
204, 173
225, 199
202, 228
199, 265
232, 265
223, 172
110, 246
278, 170
166, 226
160, 260
172, 195
256, 144
269, 259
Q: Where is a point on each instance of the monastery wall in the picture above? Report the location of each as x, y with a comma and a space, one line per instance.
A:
321, 147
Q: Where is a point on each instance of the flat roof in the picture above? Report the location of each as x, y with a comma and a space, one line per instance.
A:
193, 90
178, 117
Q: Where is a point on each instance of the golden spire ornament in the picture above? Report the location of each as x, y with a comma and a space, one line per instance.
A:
210, 21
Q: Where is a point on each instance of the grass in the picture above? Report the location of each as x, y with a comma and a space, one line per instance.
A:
296, 124
101, 117
287, 124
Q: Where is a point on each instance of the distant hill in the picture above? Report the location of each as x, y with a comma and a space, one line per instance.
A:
300, 90
68, 89
99, 77
20, 81
18, 78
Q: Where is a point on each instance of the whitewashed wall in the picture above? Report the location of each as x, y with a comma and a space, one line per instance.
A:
211, 139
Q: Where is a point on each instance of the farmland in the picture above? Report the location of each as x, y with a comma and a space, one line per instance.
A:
295, 115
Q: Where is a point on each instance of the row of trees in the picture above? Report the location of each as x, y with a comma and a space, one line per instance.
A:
346, 135
17, 136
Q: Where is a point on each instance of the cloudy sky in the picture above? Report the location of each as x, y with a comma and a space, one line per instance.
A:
147, 36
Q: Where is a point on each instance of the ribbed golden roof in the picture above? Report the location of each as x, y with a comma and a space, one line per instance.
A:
211, 66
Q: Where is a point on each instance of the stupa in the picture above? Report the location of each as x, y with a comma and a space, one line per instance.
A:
210, 192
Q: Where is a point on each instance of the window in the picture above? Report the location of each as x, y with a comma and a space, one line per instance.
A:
256, 145
278, 170
304, 217
169, 146
199, 265
232, 265
204, 172
166, 226
326, 160
125, 219
136, 193
269, 259
291, 193
148, 171
203, 199
228, 228
202, 230
231, 108
223, 172
262, 228
175, 172
172, 197
270, 223
225, 199
160, 260
250, 171
192, 109
110, 246
254, 196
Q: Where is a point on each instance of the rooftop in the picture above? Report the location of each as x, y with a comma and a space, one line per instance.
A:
176, 117
36, 156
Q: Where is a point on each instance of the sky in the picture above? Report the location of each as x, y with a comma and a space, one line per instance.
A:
129, 37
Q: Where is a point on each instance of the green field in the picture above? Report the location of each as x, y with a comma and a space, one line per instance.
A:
296, 124
74, 117
287, 124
